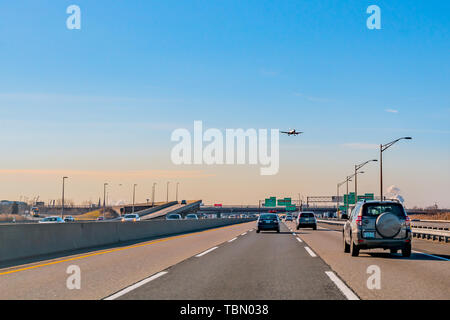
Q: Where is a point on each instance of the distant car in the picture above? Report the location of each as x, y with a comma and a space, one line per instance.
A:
100, 218
183, 202
288, 218
131, 217
173, 216
377, 224
191, 216
306, 220
52, 220
69, 219
268, 221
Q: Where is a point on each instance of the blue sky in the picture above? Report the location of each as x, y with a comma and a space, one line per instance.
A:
136, 70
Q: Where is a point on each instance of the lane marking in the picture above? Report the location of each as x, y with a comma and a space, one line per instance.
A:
232, 240
311, 253
205, 252
114, 250
135, 286
299, 240
430, 255
243, 234
341, 286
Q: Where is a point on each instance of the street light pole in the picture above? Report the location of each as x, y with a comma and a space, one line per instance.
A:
104, 198
153, 194
383, 147
62, 201
134, 194
167, 194
177, 192
357, 167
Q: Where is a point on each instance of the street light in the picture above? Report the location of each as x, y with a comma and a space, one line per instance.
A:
357, 167
383, 147
153, 194
104, 198
134, 194
167, 198
62, 202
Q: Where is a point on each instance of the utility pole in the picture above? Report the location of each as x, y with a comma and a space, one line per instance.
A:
62, 204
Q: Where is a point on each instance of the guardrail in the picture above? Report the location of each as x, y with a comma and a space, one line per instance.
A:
435, 235
19, 241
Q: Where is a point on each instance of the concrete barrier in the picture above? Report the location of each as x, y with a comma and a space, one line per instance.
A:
31, 240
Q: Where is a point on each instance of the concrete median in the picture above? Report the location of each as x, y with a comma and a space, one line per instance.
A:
32, 240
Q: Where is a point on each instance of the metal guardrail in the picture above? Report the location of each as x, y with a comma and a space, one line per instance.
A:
420, 233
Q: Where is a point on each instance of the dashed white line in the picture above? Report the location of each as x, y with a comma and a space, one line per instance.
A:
136, 285
232, 240
341, 286
205, 252
311, 253
299, 240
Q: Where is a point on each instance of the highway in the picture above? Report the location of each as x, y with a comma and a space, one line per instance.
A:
232, 263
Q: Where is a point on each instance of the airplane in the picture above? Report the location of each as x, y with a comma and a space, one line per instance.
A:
292, 132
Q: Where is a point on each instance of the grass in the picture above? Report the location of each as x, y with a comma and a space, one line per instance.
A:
93, 215
432, 216
10, 217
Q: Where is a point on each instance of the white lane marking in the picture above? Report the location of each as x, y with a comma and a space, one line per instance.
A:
205, 252
232, 240
311, 253
243, 234
431, 255
299, 240
341, 286
136, 285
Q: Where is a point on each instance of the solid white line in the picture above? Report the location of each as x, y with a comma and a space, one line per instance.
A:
136, 285
243, 234
341, 286
430, 255
311, 253
232, 240
299, 240
205, 252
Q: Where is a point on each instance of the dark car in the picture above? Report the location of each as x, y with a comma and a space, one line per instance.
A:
268, 221
183, 201
306, 220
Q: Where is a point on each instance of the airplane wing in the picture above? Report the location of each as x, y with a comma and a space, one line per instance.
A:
284, 132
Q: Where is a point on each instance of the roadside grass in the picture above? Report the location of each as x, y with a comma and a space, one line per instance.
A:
10, 217
432, 216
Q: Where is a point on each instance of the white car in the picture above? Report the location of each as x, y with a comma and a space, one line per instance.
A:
131, 217
69, 219
191, 216
52, 220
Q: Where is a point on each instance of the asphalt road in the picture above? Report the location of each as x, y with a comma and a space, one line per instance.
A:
420, 276
267, 265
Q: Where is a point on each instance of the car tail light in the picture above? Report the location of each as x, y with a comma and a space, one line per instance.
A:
358, 220
408, 221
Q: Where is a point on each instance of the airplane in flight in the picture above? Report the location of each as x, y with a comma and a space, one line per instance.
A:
291, 132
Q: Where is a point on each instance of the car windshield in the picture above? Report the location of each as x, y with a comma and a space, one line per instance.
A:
307, 215
130, 216
173, 216
50, 219
269, 216
375, 209
191, 216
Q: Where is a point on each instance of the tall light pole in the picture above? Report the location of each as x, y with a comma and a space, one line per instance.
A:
167, 194
337, 199
357, 167
104, 198
177, 192
62, 202
134, 194
383, 147
153, 194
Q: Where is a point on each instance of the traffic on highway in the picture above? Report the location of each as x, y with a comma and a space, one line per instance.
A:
225, 159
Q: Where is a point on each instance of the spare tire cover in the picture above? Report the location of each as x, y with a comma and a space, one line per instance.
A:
388, 225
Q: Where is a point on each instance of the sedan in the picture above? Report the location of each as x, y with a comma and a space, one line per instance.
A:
268, 221
173, 216
69, 219
52, 220
131, 217
191, 216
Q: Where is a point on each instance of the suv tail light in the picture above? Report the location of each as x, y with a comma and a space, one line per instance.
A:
408, 221
359, 220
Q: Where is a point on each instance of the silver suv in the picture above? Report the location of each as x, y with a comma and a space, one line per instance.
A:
377, 224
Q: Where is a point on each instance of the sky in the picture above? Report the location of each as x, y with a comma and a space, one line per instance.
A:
99, 104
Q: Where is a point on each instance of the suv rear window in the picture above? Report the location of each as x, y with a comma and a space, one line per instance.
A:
375, 209
307, 215
269, 216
